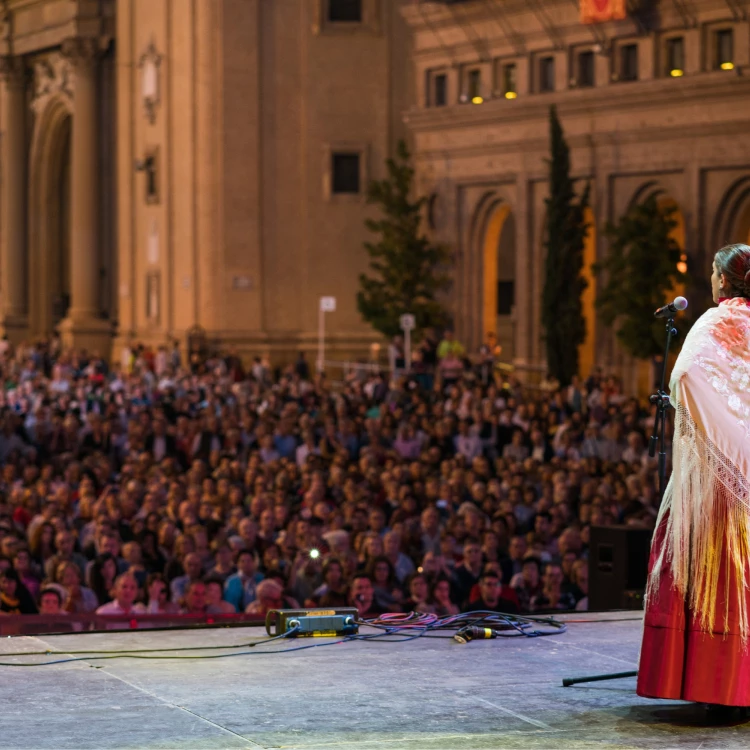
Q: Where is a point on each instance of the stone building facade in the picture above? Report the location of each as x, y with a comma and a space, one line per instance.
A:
168, 164
658, 103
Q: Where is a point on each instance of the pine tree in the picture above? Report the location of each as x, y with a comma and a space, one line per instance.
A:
640, 272
562, 309
408, 271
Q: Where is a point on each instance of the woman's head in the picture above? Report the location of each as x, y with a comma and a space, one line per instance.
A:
68, 574
441, 591
380, 570
731, 272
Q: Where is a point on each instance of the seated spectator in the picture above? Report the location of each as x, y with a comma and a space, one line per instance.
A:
65, 551
102, 575
50, 601
78, 598
468, 571
490, 600
240, 589
528, 584
552, 596
332, 592
387, 595
214, 597
193, 572
505, 592
157, 596
223, 563
419, 593
402, 564
23, 566
125, 593
440, 598
269, 595
194, 601
362, 596
15, 598
580, 579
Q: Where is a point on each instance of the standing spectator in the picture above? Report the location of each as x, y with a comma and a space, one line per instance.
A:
449, 346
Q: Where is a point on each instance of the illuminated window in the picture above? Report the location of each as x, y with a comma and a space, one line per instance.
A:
586, 68
346, 11
546, 74
629, 62
675, 57
510, 87
474, 86
345, 173
724, 49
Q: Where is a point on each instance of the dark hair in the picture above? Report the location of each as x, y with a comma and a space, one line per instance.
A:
734, 262
380, 560
152, 577
51, 590
96, 577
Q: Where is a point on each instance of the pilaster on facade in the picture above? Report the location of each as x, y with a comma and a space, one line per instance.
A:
84, 325
13, 271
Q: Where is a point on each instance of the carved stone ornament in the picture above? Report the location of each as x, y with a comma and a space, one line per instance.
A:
80, 51
149, 65
52, 77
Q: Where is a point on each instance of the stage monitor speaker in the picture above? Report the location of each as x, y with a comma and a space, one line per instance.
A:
618, 566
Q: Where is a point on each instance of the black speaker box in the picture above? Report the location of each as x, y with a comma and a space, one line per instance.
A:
618, 566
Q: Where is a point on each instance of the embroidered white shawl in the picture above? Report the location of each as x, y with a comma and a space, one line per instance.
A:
708, 495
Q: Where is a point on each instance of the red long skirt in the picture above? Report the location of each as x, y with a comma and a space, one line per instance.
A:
681, 661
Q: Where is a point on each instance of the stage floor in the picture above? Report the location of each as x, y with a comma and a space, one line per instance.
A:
420, 695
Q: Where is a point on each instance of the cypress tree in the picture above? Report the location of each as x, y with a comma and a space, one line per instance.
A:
562, 309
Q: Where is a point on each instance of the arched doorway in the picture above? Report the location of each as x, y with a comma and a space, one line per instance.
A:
499, 278
741, 231
49, 216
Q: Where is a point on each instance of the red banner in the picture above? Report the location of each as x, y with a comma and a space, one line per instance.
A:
597, 11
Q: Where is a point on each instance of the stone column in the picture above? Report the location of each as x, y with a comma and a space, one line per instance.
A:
84, 326
13, 282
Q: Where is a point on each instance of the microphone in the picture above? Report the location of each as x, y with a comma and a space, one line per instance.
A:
680, 303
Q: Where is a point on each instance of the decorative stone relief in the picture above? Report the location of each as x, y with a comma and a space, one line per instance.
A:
53, 76
149, 65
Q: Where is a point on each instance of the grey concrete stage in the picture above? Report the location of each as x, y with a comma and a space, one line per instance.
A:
421, 695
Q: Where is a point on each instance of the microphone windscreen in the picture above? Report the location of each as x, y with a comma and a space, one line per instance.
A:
680, 303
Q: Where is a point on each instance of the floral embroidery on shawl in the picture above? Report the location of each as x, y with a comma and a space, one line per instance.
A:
706, 507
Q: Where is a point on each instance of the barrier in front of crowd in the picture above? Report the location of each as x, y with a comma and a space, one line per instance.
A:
88, 623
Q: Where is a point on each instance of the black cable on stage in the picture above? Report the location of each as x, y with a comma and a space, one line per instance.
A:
49, 652
392, 628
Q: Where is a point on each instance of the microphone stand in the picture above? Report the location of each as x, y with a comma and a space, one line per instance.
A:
661, 400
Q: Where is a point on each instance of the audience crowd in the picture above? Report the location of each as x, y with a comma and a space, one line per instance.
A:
157, 486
